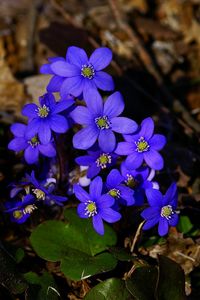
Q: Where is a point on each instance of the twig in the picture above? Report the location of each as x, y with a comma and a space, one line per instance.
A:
137, 234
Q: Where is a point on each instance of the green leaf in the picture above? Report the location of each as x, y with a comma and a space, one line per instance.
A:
184, 224
74, 243
143, 277
171, 282
121, 254
111, 289
78, 265
41, 287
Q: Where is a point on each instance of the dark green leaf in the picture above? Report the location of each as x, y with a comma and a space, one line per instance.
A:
184, 224
142, 283
41, 287
111, 289
121, 254
171, 283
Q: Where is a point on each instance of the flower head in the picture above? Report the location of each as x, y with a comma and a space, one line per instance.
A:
162, 209
96, 161
139, 181
32, 147
100, 120
44, 193
95, 205
143, 146
46, 117
78, 73
116, 189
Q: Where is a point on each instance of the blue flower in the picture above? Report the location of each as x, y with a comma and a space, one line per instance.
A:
43, 193
95, 205
20, 211
162, 209
96, 161
139, 180
32, 147
143, 146
46, 118
100, 120
77, 73
114, 187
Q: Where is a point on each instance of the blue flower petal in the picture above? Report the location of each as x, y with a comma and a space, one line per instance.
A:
31, 155
154, 197
96, 188
58, 123
76, 56
107, 140
47, 150
150, 223
73, 85
85, 138
105, 201
98, 224
94, 102
123, 125
80, 193
30, 110
157, 142
153, 159
124, 148
18, 144
82, 115
62, 105
171, 196
85, 160
104, 81
147, 128
93, 170
134, 160
32, 128
163, 226
101, 58
44, 132
81, 211
127, 193
54, 84
151, 213
110, 215
18, 129
174, 220
46, 69
114, 105
65, 69
114, 178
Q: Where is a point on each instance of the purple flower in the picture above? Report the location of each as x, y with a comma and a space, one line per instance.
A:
100, 120
46, 118
162, 210
121, 193
95, 205
96, 161
139, 180
56, 81
32, 147
77, 73
43, 193
143, 146
20, 211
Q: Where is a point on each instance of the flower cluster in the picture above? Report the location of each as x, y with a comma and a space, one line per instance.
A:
123, 154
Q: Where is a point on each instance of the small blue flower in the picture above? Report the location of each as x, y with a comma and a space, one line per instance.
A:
46, 118
100, 120
77, 74
20, 211
96, 161
95, 205
139, 180
162, 209
32, 147
43, 193
143, 146
114, 187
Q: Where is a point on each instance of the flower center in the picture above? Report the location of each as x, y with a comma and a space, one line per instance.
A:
102, 122
90, 209
103, 160
167, 212
17, 214
87, 71
142, 145
115, 193
29, 209
131, 181
40, 195
43, 111
34, 142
